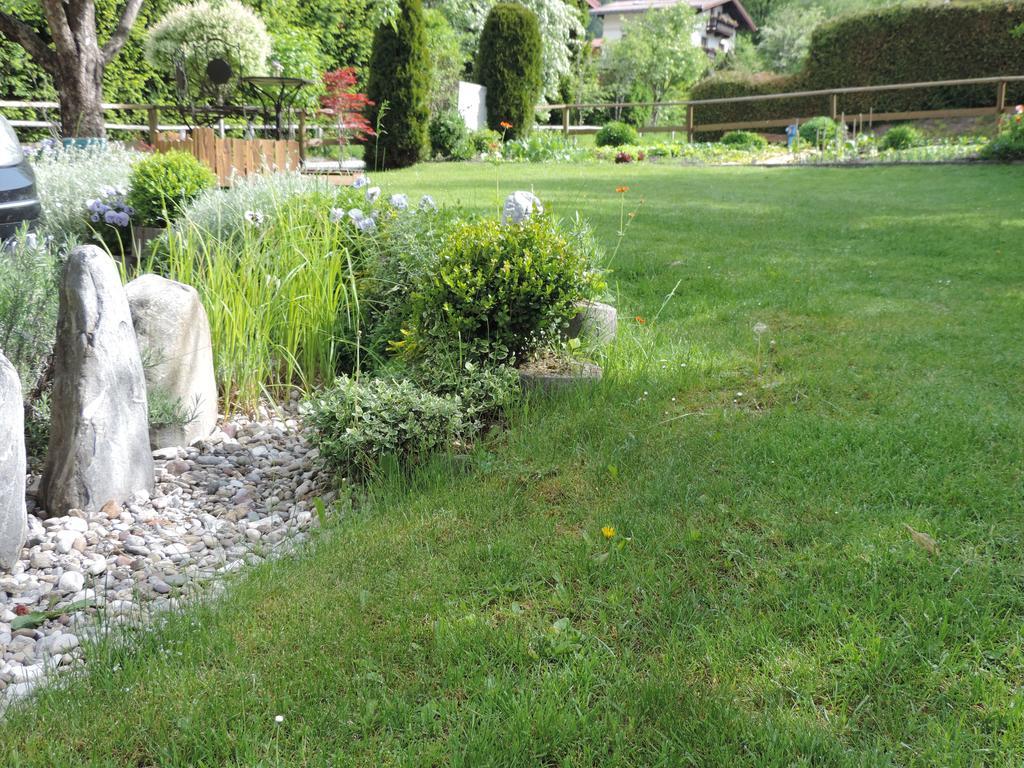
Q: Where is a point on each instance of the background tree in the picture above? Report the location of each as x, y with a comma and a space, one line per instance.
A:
71, 54
509, 66
447, 62
399, 88
656, 52
786, 37
346, 107
562, 34
204, 29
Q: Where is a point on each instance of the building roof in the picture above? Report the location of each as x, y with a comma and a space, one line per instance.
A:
642, 6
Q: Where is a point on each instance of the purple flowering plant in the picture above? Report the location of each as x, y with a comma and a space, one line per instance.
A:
110, 216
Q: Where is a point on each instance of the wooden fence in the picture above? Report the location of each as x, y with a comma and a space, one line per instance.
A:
693, 126
233, 157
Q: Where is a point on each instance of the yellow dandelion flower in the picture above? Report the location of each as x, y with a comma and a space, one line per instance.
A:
608, 531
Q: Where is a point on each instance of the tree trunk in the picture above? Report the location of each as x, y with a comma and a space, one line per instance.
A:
76, 60
80, 85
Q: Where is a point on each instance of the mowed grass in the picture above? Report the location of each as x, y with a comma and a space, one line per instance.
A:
762, 603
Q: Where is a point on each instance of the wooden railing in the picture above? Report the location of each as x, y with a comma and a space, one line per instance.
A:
692, 126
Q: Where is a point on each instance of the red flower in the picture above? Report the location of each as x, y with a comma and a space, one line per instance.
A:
20, 609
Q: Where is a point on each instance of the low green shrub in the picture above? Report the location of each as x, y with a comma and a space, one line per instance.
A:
1008, 146
745, 140
819, 130
484, 141
1004, 149
163, 184
405, 254
542, 147
901, 137
616, 134
502, 291
448, 136
357, 422
484, 390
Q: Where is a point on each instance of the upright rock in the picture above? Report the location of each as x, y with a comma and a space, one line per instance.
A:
99, 428
13, 519
174, 339
519, 206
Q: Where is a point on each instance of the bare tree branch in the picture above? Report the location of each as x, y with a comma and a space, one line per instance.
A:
124, 27
21, 33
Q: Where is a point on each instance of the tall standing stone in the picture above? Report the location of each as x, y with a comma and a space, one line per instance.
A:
13, 519
99, 427
174, 339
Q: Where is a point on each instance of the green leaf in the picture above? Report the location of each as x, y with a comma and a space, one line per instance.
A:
36, 618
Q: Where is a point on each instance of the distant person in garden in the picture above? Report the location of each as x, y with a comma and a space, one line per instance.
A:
792, 132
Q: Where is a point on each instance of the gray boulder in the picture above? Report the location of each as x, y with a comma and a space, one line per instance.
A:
99, 427
174, 339
519, 206
13, 518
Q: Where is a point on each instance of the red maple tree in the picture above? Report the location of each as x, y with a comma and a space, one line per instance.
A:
346, 106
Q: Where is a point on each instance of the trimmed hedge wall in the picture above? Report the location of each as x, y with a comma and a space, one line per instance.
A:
893, 45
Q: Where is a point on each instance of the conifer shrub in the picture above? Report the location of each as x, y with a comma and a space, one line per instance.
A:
399, 88
509, 65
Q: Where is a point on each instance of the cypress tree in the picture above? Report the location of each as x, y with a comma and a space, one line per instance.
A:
509, 64
399, 87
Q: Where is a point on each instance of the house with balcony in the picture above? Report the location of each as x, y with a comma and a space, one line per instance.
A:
719, 20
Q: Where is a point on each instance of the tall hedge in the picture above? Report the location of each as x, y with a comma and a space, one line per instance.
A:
399, 86
509, 65
893, 45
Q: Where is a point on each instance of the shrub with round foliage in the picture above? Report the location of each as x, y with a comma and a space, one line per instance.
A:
509, 65
747, 140
204, 29
616, 134
449, 137
901, 137
819, 130
399, 88
484, 140
503, 291
1008, 146
162, 185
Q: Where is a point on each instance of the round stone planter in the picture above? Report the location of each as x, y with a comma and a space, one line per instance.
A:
595, 322
550, 374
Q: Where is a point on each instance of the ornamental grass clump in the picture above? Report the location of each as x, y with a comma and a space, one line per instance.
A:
280, 288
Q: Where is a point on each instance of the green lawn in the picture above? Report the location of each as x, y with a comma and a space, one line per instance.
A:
762, 603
